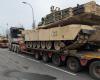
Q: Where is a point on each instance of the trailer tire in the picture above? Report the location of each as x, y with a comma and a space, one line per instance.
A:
37, 56
56, 60
9, 48
17, 49
13, 48
95, 73
45, 58
73, 64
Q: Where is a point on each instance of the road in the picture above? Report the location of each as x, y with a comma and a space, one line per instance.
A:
21, 67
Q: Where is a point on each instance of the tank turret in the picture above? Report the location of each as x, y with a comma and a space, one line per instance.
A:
86, 14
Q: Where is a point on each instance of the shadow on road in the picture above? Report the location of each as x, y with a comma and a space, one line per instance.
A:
27, 76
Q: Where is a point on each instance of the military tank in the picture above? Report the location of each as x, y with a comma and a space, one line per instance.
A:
67, 29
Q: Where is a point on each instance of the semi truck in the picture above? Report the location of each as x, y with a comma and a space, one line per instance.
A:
67, 37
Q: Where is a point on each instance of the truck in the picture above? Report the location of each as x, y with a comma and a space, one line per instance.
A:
14, 38
67, 37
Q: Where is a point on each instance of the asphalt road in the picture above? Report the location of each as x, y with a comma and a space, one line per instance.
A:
22, 67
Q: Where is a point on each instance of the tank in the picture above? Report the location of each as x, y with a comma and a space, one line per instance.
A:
66, 29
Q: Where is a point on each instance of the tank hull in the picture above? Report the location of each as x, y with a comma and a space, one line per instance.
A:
59, 37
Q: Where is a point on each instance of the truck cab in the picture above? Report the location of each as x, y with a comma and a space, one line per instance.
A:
14, 36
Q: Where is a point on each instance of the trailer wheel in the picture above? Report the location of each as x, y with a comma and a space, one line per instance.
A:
17, 49
37, 56
45, 58
13, 48
9, 47
94, 70
73, 64
56, 60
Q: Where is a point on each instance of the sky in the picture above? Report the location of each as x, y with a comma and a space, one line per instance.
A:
15, 13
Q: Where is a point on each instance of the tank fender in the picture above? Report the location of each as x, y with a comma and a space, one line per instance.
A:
88, 31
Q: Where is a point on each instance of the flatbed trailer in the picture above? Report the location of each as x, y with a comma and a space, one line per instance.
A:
73, 60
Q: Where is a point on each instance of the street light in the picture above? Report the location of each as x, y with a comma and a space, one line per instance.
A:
33, 25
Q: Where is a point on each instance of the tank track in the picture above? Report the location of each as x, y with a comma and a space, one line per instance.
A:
80, 41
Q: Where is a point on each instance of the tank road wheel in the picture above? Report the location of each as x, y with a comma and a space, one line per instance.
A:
56, 60
34, 44
45, 58
58, 45
73, 64
82, 39
38, 45
48, 45
43, 45
30, 44
94, 70
27, 44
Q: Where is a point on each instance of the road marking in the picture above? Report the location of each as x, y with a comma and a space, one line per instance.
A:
61, 70
29, 58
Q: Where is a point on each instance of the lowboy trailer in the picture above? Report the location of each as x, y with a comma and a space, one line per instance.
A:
74, 60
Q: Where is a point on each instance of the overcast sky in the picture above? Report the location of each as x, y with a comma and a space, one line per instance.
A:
14, 13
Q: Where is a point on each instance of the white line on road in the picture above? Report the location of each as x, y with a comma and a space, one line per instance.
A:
61, 70
50, 66
29, 58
